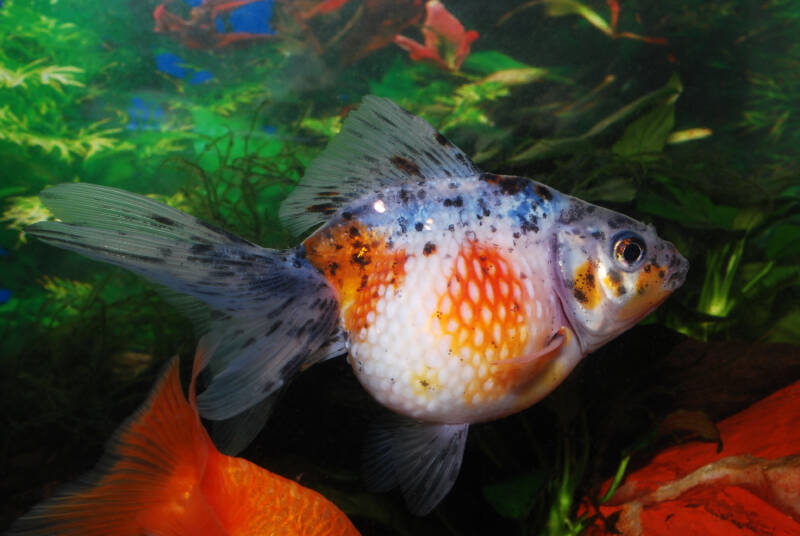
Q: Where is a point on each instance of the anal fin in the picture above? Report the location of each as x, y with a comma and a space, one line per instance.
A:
422, 459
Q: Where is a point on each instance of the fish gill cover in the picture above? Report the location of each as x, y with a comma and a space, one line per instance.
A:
678, 114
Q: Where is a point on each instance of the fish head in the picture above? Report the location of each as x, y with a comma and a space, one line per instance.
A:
611, 271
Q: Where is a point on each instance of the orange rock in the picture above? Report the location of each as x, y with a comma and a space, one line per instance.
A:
750, 487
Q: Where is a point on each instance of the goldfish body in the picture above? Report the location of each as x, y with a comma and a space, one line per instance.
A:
163, 476
460, 296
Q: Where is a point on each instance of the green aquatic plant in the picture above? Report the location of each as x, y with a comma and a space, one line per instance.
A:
23, 211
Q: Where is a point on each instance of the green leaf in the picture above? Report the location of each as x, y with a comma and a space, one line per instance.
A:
645, 137
550, 147
784, 241
513, 498
491, 61
692, 209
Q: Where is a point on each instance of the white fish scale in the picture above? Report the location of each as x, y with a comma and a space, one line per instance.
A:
407, 359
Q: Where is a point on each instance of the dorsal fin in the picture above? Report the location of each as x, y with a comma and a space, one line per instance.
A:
380, 145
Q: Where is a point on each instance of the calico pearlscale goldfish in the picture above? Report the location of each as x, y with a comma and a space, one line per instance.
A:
460, 296
162, 475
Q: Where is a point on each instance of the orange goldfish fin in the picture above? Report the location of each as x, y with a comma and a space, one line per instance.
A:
146, 481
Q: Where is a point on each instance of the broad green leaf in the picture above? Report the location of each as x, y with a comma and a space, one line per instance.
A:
784, 241
551, 147
491, 61
645, 137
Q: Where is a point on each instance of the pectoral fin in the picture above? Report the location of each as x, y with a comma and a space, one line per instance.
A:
541, 357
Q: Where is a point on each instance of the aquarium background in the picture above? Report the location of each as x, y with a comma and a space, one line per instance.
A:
679, 113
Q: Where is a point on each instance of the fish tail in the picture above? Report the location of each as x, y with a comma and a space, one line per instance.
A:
146, 481
270, 312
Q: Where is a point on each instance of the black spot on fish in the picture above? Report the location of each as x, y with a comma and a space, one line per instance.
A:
406, 166
354, 232
322, 208
385, 120
599, 235
165, 251
332, 267
508, 185
543, 192
441, 140
418, 226
347, 216
619, 221
164, 220
360, 258
429, 248
248, 342
403, 223
451, 228
580, 296
201, 248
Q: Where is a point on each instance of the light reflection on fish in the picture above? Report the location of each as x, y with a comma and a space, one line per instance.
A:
460, 296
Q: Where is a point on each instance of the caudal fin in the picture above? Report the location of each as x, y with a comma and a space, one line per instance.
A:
146, 475
269, 310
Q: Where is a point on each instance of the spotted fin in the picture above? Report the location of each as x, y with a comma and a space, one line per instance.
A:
380, 145
271, 311
422, 459
232, 436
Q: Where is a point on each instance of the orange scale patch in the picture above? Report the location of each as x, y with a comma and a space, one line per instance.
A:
483, 313
360, 264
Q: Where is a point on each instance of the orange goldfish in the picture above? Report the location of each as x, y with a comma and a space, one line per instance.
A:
161, 475
459, 296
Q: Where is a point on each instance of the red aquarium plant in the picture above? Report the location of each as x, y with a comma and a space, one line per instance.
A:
751, 486
200, 31
447, 44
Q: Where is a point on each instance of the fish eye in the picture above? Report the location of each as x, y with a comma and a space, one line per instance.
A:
629, 249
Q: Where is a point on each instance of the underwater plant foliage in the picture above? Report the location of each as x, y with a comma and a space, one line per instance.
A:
680, 114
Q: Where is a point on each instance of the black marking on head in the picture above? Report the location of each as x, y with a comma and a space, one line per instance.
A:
580, 296
419, 226
620, 221
429, 248
406, 166
574, 212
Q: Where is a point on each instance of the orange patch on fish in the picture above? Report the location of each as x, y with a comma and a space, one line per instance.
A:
361, 264
648, 293
585, 289
483, 313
